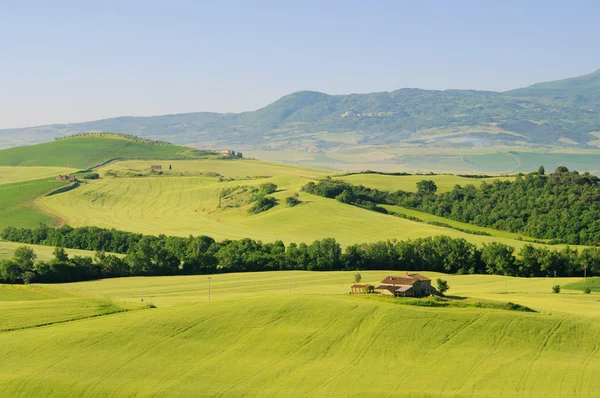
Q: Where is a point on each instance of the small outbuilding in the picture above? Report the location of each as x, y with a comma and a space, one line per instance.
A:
360, 289
156, 167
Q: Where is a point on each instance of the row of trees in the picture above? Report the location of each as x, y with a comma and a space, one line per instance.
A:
165, 255
563, 206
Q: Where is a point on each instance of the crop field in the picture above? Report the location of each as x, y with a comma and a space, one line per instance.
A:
393, 183
187, 205
295, 334
10, 174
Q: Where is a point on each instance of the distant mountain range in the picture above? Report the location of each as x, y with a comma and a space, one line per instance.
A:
564, 113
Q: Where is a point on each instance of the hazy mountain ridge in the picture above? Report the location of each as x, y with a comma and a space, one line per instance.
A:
560, 113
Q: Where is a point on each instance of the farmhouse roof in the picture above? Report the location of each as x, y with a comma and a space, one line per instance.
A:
419, 277
359, 286
399, 280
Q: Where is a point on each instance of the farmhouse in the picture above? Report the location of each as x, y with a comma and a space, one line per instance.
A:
230, 153
408, 285
66, 178
156, 167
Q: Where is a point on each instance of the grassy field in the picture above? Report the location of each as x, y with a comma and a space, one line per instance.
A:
232, 168
189, 205
87, 151
296, 334
455, 224
43, 252
11, 174
455, 160
590, 283
392, 183
17, 206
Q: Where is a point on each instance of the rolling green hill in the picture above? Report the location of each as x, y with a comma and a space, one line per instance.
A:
90, 150
294, 334
579, 89
186, 200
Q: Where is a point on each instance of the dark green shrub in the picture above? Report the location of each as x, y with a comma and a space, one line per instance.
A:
292, 201
263, 203
556, 289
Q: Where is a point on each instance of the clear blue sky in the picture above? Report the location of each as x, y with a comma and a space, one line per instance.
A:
81, 60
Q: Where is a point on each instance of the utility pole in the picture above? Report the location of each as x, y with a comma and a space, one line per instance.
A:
289, 287
209, 278
141, 297
505, 280
554, 278
584, 272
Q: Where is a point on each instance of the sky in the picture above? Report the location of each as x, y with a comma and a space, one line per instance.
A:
71, 61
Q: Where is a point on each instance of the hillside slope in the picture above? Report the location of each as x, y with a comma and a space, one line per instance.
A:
581, 89
561, 113
90, 150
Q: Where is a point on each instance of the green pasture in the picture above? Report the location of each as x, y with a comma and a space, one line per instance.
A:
391, 183
88, 151
12, 174
187, 205
17, 203
294, 334
43, 252
456, 224
230, 168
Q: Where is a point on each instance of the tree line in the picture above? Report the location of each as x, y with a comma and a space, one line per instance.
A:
146, 255
563, 206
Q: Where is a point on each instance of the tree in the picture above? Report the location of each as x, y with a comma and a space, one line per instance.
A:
60, 255
426, 187
357, 277
561, 169
587, 290
556, 289
442, 285
293, 200
25, 257
541, 170
10, 272
346, 197
498, 259
267, 188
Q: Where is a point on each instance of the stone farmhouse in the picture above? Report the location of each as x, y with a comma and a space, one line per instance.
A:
409, 285
66, 178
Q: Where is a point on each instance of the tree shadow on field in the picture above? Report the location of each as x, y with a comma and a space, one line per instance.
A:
455, 297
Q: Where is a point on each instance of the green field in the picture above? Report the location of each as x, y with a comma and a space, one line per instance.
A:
88, 151
391, 183
455, 224
17, 203
11, 174
295, 334
590, 283
43, 252
188, 204
454, 160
